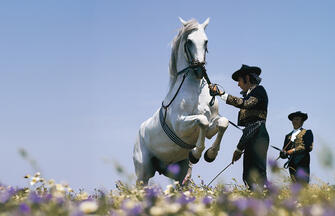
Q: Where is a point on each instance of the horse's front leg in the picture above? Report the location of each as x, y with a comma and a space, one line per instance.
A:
219, 126
187, 124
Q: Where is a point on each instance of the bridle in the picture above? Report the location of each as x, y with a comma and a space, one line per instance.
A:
194, 66
199, 69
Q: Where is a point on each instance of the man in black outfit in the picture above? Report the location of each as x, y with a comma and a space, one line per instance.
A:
297, 145
252, 115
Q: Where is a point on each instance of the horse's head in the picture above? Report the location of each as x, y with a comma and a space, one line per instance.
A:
195, 42
189, 47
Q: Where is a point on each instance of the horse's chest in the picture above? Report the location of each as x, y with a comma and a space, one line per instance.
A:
196, 105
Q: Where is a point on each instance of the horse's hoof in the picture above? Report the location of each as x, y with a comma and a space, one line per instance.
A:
209, 160
192, 158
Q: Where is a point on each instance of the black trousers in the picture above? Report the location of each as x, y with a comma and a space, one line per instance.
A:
255, 158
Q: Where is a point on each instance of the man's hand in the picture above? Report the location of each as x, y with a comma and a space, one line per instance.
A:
291, 151
283, 154
214, 90
188, 175
236, 156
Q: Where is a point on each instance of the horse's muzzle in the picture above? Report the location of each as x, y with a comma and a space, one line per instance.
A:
198, 69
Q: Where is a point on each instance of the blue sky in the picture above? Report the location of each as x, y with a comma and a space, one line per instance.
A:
77, 78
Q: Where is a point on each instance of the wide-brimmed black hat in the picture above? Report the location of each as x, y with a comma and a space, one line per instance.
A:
245, 69
304, 116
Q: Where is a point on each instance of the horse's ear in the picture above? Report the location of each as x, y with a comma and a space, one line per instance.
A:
204, 25
182, 21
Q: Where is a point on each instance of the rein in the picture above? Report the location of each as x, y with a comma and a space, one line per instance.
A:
162, 117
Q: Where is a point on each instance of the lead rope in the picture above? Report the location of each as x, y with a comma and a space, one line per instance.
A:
221, 172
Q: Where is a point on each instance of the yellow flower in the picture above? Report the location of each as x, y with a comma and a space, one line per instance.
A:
60, 188
88, 207
34, 180
51, 182
82, 196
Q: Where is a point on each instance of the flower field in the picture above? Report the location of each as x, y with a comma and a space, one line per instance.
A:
45, 197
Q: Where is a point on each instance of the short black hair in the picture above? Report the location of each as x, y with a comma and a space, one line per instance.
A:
251, 78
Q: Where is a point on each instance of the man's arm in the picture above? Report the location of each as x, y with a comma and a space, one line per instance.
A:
282, 154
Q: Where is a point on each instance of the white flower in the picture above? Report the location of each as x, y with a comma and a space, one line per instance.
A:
169, 189
88, 207
198, 208
173, 208
155, 210
316, 210
187, 193
129, 204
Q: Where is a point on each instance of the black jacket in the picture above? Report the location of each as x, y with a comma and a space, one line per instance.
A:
303, 144
253, 107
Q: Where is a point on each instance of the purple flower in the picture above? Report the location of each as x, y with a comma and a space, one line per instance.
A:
174, 169
152, 192
258, 207
301, 174
273, 189
207, 200
289, 204
24, 208
60, 201
329, 212
47, 197
77, 213
183, 200
137, 210
273, 165
241, 203
5, 195
268, 203
35, 198
295, 188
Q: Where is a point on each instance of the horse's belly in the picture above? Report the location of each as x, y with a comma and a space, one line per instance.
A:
159, 144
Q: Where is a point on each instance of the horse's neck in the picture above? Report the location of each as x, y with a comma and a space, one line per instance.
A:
189, 85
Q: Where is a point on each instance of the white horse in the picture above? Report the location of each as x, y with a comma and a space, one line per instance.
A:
185, 111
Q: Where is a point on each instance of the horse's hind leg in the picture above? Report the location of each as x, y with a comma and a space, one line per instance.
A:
142, 161
220, 125
183, 171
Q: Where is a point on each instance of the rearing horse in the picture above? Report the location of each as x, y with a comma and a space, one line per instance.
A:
176, 133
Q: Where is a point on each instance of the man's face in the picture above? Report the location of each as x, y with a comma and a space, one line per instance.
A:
244, 86
297, 122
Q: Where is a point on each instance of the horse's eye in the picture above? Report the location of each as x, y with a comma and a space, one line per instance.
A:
189, 43
206, 46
